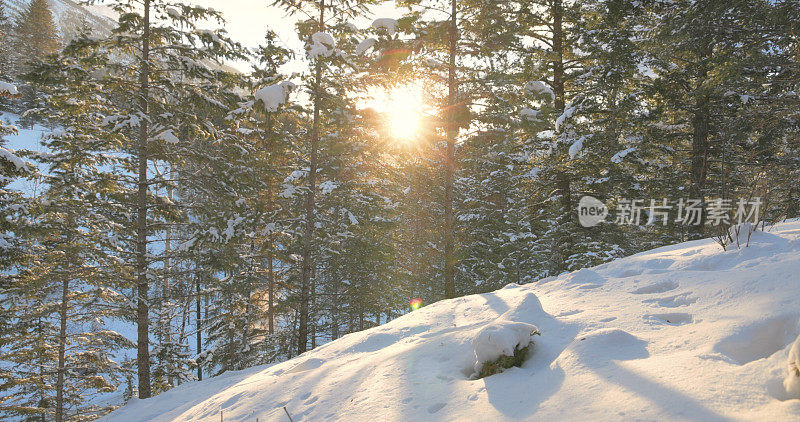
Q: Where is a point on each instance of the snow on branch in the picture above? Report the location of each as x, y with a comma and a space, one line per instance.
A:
389, 24
273, 96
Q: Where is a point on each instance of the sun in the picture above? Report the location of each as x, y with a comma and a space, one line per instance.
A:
404, 109
404, 114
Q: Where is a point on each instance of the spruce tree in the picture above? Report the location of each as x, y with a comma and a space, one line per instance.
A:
6, 41
328, 19
35, 35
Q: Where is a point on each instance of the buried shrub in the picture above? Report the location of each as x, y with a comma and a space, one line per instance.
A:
502, 345
504, 362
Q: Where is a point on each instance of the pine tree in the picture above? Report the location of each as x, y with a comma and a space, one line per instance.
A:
75, 251
321, 49
6, 42
708, 98
35, 35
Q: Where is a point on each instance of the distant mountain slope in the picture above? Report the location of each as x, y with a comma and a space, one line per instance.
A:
684, 332
68, 14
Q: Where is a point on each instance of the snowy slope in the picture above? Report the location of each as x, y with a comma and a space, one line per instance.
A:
68, 15
685, 332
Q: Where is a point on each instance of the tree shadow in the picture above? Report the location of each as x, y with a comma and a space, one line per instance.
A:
674, 403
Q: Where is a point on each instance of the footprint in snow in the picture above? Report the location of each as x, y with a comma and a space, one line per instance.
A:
673, 318
569, 313
660, 287
436, 407
675, 301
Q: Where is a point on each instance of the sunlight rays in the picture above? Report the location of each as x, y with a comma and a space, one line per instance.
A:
404, 109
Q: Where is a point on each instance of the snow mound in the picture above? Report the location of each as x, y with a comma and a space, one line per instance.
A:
602, 347
501, 338
389, 24
683, 332
583, 276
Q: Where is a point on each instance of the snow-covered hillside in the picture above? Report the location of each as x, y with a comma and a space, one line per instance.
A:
69, 15
681, 332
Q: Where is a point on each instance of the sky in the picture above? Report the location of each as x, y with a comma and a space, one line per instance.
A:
248, 20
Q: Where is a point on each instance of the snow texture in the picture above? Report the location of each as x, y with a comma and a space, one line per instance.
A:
617, 158
792, 381
576, 148
322, 45
389, 24
273, 96
539, 88
529, 114
9, 155
365, 45
568, 112
168, 136
8, 89
500, 338
683, 332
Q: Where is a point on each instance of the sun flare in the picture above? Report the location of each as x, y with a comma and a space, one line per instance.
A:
404, 109
404, 113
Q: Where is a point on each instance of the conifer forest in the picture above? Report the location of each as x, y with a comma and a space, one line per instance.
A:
177, 204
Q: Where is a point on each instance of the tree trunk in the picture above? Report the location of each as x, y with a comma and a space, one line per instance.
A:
308, 233
450, 160
270, 289
142, 308
700, 147
198, 323
62, 347
562, 176
270, 253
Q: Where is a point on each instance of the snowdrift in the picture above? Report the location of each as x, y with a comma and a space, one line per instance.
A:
685, 332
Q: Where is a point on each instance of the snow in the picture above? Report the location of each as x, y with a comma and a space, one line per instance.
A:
168, 136
365, 45
792, 381
9, 155
617, 158
683, 332
8, 89
576, 148
529, 114
273, 96
322, 45
327, 187
568, 112
501, 338
539, 88
25, 139
389, 24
